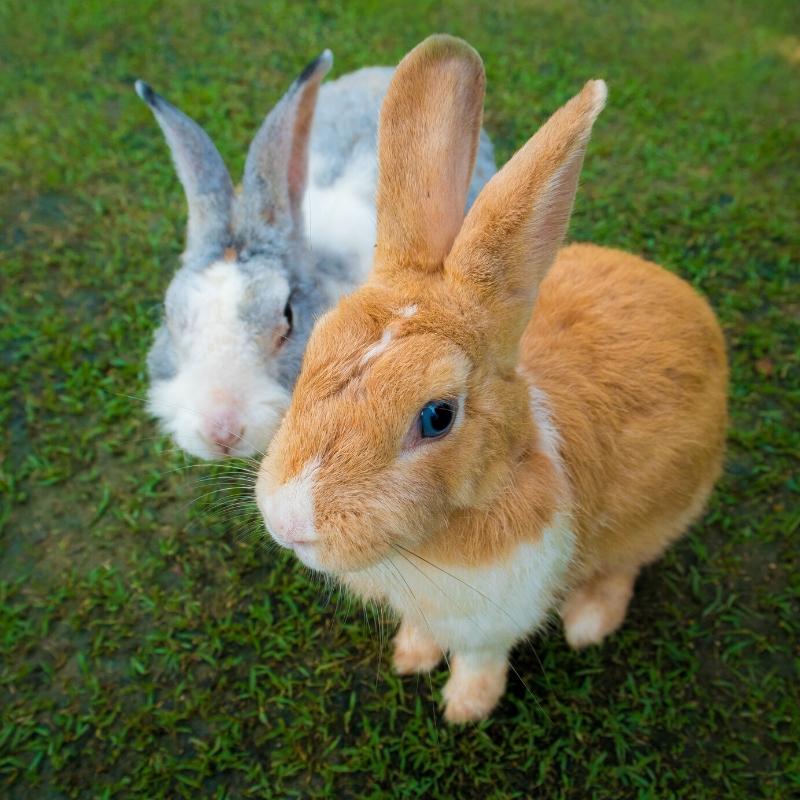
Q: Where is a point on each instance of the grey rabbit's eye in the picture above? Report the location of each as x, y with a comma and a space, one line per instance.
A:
288, 316
287, 312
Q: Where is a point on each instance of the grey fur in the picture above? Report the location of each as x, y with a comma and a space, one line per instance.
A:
161, 364
263, 223
484, 167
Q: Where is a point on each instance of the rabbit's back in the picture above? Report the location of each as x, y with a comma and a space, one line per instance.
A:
339, 205
633, 362
346, 124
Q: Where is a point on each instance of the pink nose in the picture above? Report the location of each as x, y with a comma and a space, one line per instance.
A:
289, 528
225, 431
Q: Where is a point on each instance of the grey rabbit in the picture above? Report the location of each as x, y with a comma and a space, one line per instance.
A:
261, 264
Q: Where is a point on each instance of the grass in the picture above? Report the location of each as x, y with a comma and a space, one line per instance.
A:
150, 648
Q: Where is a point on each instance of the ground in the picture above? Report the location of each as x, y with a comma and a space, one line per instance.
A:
152, 646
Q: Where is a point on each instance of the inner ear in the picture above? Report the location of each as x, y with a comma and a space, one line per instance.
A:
428, 137
275, 172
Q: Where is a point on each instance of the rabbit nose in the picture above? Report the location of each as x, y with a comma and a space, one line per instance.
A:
225, 431
291, 530
288, 511
287, 525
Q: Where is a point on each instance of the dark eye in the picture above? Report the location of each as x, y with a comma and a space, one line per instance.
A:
436, 418
287, 312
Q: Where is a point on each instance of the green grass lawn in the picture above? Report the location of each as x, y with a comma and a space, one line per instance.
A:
152, 646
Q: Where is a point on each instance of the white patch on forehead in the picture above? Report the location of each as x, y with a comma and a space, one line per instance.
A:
215, 292
388, 335
377, 348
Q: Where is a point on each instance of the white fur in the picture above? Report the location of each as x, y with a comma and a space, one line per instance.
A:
222, 375
340, 218
288, 512
550, 437
479, 612
377, 348
408, 311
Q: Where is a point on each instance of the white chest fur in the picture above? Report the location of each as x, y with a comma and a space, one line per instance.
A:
487, 608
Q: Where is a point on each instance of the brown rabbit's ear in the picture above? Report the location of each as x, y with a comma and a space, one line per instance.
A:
513, 231
428, 136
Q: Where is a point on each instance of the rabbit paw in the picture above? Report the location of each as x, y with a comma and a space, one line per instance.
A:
596, 609
472, 692
414, 652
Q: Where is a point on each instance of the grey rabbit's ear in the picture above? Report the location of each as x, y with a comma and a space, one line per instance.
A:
205, 179
276, 169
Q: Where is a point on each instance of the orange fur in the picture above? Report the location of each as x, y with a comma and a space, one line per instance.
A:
633, 361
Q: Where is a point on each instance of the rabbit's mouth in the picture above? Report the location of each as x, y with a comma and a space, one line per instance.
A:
288, 513
232, 419
306, 552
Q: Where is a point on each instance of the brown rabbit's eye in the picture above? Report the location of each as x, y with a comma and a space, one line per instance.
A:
436, 418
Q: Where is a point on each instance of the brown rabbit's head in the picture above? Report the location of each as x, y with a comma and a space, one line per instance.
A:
408, 409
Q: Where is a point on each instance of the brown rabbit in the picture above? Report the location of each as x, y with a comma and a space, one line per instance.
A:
492, 428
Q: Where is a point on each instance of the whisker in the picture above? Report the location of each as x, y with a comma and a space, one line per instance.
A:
239, 475
419, 609
201, 497
195, 413
485, 597
229, 484
231, 508
430, 680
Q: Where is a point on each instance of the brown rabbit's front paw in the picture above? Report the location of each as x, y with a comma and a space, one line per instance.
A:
472, 693
414, 652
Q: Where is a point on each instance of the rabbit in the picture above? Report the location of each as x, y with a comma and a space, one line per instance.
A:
492, 429
261, 264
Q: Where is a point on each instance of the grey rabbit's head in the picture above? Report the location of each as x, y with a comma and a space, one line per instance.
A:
239, 310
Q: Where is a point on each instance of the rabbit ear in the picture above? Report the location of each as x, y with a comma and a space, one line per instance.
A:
428, 136
275, 172
206, 182
513, 231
